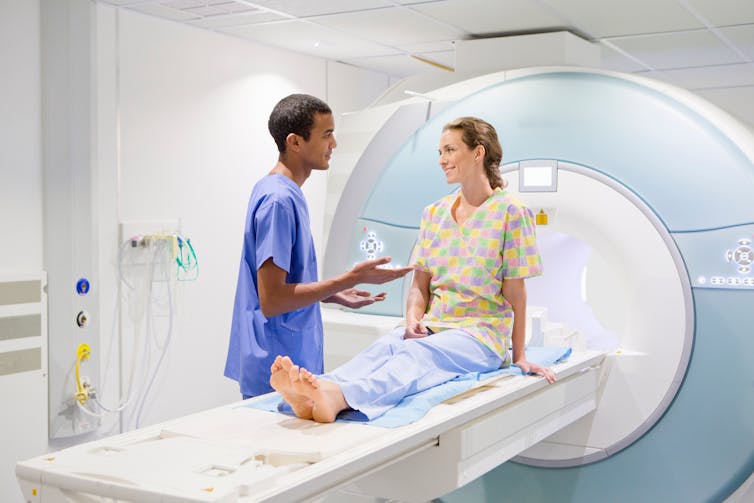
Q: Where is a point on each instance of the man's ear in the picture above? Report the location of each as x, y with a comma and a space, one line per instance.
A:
292, 142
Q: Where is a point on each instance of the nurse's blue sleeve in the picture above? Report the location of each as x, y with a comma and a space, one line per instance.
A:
275, 230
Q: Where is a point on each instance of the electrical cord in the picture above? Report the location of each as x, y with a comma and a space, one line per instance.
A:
162, 355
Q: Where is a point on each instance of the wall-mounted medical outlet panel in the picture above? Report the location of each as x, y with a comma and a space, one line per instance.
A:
71, 241
137, 229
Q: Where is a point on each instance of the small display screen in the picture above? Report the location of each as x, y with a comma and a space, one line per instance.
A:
537, 176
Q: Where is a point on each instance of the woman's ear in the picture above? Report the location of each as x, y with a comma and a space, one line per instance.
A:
479, 152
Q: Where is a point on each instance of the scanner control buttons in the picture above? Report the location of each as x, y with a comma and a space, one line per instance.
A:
742, 255
371, 246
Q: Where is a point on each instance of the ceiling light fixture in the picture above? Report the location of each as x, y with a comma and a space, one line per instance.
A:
433, 63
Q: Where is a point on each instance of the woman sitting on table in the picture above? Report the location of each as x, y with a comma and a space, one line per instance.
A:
467, 301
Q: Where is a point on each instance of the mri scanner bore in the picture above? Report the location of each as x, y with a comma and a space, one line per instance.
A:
644, 196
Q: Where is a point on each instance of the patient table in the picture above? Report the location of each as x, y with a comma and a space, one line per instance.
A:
239, 454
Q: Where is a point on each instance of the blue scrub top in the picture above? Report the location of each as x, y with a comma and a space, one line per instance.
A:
277, 227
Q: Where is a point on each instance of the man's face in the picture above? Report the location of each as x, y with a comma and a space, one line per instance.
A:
316, 152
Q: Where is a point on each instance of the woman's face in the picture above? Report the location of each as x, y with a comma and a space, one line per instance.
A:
457, 160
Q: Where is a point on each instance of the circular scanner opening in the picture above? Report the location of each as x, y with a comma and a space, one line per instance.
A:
613, 281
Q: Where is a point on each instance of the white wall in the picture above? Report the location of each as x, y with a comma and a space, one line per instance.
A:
20, 137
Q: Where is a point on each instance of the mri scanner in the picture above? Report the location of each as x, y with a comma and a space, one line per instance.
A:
644, 196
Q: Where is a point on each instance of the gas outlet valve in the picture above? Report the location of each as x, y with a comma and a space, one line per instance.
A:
82, 319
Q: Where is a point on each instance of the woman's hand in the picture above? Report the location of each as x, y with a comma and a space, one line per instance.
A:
532, 368
415, 330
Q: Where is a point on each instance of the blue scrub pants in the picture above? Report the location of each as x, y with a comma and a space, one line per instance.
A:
378, 378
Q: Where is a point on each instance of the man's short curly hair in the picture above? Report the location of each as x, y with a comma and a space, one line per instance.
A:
295, 114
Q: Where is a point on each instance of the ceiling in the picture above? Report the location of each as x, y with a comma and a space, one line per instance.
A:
697, 44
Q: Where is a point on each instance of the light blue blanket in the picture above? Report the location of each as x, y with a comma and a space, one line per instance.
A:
414, 407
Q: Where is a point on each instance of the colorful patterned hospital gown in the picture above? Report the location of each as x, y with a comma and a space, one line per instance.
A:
469, 263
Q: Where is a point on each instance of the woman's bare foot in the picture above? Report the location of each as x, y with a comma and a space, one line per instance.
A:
326, 396
281, 382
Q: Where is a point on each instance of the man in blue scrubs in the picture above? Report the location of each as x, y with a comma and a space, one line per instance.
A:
276, 309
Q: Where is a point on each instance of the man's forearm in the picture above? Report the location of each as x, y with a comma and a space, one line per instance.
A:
288, 297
